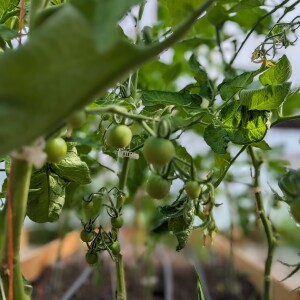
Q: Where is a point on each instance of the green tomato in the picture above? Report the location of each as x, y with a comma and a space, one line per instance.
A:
158, 151
115, 248
118, 136
295, 209
157, 187
56, 149
193, 189
91, 258
117, 222
87, 236
77, 118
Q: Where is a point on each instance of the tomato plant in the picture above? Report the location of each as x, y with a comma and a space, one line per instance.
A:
87, 236
193, 189
158, 151
117, 222
157, 187
91, 258
118, 136
56, 149
115, 248
148, 118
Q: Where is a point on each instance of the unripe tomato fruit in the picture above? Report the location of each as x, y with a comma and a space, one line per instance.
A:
77, 118
118, 136
117, 222
193, 189
158, 151
295, 210
56, 149
157, 187
115, 248
91, 258
87, 236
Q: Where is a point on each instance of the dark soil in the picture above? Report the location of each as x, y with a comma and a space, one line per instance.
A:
144, 279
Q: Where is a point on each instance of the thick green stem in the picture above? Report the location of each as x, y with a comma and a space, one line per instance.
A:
266, 224
121, 286
20, 184
220, 179
20, 187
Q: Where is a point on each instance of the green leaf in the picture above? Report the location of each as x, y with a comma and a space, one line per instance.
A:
62, 66
7, 33
182, 225
263, 145
267, 98
47, 198
229, 87
107, 14
217, 15
152, 98
179, 10
200, 73
245, 126
217, 138
278, 73
72, 168
246, 4
247, 18
73, 196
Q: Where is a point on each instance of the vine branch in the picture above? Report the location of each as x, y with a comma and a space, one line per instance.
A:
266, 224
254, 27
220, 179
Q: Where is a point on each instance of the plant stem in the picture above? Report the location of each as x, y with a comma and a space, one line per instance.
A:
285, 119
19, 181
266, 224
121, 287
115, 109
220, 179
254, 27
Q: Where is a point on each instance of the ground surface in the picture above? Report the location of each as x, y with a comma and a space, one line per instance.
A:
147, 278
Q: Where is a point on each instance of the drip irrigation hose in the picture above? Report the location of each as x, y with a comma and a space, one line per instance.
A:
77, 284
167, 273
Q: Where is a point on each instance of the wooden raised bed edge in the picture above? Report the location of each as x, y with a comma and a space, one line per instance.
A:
254, 269
34, 261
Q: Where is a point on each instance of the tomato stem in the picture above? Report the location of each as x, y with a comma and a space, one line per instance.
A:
268, 228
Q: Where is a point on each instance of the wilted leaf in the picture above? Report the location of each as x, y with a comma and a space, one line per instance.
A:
47, 197
72, 168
